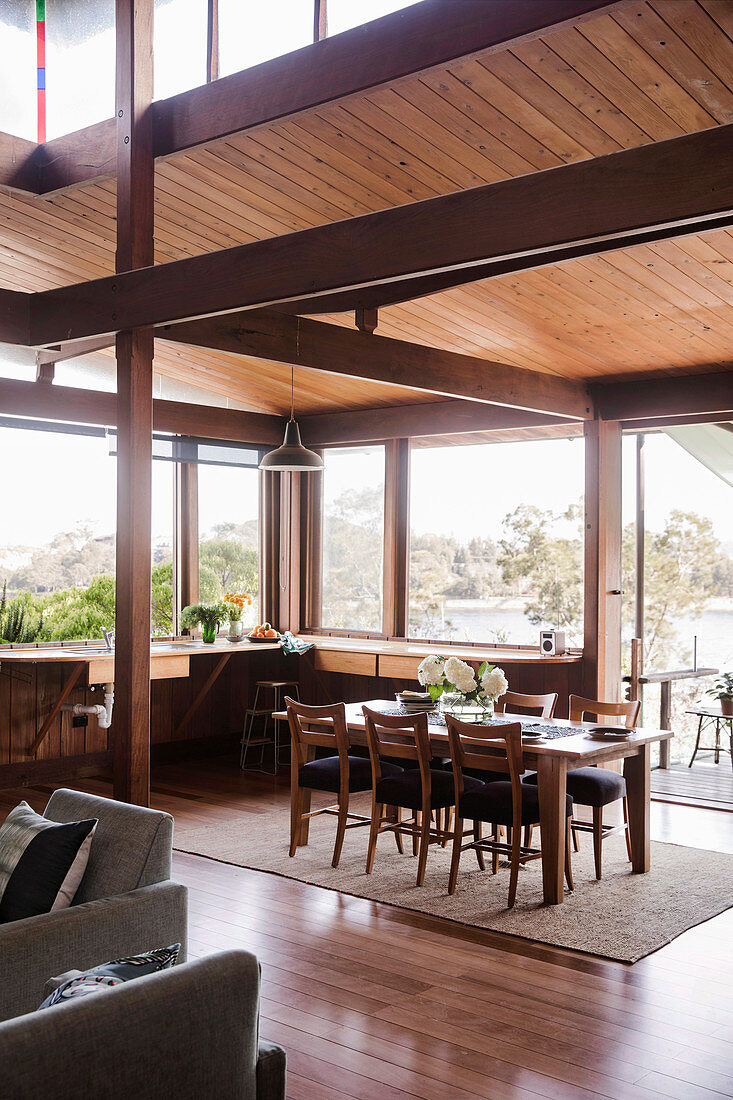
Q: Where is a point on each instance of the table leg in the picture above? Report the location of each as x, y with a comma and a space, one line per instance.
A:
697, 742
637, 772
552, 789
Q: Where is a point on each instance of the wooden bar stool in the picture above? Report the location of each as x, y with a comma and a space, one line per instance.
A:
266, 712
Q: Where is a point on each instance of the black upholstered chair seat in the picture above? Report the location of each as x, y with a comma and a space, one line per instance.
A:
494, 803
593, 786
325, 775
406, 790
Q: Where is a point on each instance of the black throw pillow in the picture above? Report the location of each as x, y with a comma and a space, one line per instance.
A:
41, 862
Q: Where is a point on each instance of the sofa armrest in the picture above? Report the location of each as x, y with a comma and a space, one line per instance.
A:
37, 948
270, 1071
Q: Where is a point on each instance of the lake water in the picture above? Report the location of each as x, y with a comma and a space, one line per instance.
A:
475, 621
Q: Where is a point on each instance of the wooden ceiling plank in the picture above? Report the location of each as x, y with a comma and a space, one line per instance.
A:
246, 156
428, 118
366, 157
624, 51
720, 13
597, 204
318, 346
675, 320
698, 29
525, 82
660, 39
578, 91
589, 61
455, 85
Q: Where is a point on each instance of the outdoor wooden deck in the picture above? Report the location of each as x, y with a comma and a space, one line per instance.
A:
704, 784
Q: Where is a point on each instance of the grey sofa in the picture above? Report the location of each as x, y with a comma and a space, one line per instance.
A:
189, 1033
126, 903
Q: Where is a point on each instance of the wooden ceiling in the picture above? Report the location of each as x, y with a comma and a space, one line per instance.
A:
648, 72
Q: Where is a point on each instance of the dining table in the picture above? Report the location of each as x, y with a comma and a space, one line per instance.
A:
565, 746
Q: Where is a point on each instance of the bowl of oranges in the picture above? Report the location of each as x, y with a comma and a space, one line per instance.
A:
265, 632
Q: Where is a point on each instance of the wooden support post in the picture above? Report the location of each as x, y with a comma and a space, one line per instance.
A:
602, 603
366, 319
212, 41
131, 725
320, 20
290, 552
312, 563
186, 587
269, 544
665, 711
396, 537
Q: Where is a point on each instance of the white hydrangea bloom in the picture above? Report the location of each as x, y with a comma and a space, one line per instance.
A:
460, 674
430, 671
494, 683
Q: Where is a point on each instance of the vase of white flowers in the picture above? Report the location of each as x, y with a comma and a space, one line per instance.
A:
459, 690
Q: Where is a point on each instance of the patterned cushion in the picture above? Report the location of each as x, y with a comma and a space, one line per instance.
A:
103, 977
593, 786
406, 790
325, 775
41, 863
494, 803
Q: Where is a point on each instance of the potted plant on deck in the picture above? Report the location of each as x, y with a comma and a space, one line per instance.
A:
209, 615
722, 689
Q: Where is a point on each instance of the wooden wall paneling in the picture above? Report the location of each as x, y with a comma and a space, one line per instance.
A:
289, 580
23, 725
602, 600
396, 538
134, 349
5, 716
161, 710
49, 682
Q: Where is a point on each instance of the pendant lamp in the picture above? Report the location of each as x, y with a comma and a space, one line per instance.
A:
292, 456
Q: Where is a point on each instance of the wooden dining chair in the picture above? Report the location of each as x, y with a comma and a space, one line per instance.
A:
542, 706
340, 773
505, 803
599, 787
422, 790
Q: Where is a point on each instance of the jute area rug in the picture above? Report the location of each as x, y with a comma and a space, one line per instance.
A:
623, 917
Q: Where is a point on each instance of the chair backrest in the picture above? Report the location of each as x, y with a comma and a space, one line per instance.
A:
400, 736
131, 848
628, 709
331, 733
209, 1050
490, 749
516, 702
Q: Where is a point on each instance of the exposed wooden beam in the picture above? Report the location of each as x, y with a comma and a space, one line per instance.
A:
19, 163
608, 199
72, 406
266, 334
665, 397
649, 424
14, 316
396, 291
61, 353
383, 51
414, 421
134, 351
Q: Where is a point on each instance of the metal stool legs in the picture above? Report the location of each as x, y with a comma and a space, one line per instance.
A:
264, 739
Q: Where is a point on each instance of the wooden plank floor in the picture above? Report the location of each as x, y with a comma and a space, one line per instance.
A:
372, 1001
705, 783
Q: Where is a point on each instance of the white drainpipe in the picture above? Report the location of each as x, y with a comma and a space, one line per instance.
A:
103, 714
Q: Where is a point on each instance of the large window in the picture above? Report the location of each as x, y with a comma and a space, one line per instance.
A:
345, 14
497, 541
18, 68
80, 65
229, 533
252, 33
353, 538
687, 572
